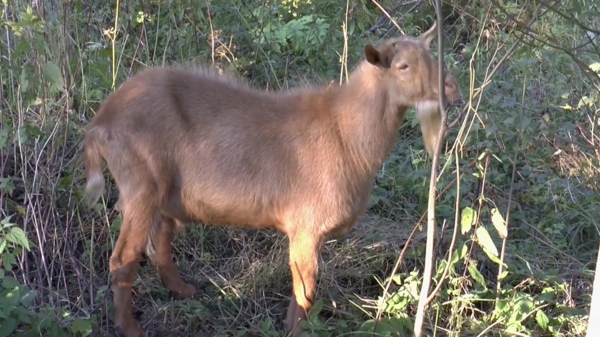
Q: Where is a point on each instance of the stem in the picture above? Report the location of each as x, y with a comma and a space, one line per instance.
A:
112, 40
419, 318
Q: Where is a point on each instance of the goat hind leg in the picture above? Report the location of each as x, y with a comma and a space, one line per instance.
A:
159, 250
124, 262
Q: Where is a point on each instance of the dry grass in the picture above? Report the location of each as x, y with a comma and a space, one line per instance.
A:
243, 278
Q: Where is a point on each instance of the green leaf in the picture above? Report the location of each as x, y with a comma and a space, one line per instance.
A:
53, 75
387, 326
467, 220
10, 300
502, 306
476, 275
7, 185
460, 254
23, 314
493, 257
28, 132
499, 223
401, 324
595, 66
524, 305
28, 296
8, 327
6, 221
83, 326
542, 319
2, 244
367, 326
548, 295
117, 222
18, 236
10, 282
485, 241
316, 310
266, 325
9, 260
4, 133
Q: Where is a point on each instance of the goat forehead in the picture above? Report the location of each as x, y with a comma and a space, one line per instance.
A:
411, 54
407, 48
405, 42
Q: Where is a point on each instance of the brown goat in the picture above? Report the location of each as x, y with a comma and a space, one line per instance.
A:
193, 146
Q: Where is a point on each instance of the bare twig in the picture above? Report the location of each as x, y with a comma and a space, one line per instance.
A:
406, 245
439, 285
384, 18
510, 199
388, 16
212, 34
113, 38
594, 324
420, 315
550, 42
569, 17
477, 93
344, 65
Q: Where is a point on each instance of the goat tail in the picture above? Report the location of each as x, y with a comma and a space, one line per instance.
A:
93, 169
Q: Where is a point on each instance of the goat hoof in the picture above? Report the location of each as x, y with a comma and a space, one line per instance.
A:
293, 321
187, 290
183, 292
132, 330
295, 331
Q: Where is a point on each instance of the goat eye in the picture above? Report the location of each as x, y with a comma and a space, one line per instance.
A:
403, 66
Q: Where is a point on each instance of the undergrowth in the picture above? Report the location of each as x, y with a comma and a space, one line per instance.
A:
517, 188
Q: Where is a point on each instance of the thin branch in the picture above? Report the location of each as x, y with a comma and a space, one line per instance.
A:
388, 16
510, 195
549, 42
438, 287
384, 18
420, 315
593, 323
571, 18
488, 78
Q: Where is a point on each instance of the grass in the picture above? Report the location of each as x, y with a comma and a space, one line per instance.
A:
538, 118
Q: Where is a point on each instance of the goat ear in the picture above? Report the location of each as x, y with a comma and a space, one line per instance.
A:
372, 55
376, 57
429, 35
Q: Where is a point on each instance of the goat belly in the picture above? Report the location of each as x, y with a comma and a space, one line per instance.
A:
231, 213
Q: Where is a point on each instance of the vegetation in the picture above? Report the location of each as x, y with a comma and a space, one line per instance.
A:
517, 185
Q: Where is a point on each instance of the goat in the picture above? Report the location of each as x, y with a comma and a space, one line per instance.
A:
194, 146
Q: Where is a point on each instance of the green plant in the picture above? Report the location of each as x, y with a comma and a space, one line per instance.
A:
16, 299
12, 240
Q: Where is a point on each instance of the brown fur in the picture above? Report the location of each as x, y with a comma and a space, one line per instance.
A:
193, 146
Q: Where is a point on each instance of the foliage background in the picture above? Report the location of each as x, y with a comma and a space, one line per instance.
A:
522, 160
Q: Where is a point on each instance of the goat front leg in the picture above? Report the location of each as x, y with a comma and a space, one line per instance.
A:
304, 254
